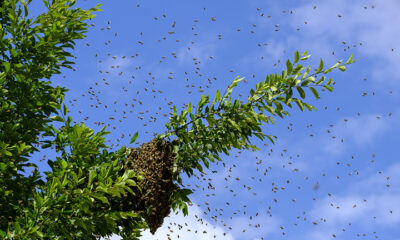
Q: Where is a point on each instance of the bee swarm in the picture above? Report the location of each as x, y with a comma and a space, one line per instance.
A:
154, 161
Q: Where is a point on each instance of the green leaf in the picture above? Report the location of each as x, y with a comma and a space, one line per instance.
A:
270, 109
92, 174
321, 65
278, 105
176, 149
270, 138
305, 57
2, 76
296, 57
57, 118
320, 80
185, 210
189, 108
217, 97
25, 7
299, 103
39, 233
231, 86
3, 166
349, 60
336, 64
306, 72
6, 66
65, 109
305, 82
202, 102
236, 81
289, 67
8, 153
329, 88
234, 124
309, 107
311, 79
206, 163
54, 105
210, 119
133, 139
342, 68
64, 164
315, 92
301, 92
102, 198
297, 69
46, 145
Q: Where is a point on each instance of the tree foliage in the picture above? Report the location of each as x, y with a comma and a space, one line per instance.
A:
84, 196
218, 126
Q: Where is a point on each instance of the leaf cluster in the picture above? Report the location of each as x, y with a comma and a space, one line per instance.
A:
88, 188
225, 123
83, 191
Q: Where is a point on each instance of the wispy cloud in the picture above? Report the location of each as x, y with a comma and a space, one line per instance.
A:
361, 131
189, 227
192, 226
372, 25
323, 30
366, 203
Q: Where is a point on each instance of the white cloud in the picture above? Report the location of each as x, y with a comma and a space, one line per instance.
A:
205, 229
373, 27
321, 32
196, 225
363, 131
380, 208
346, 212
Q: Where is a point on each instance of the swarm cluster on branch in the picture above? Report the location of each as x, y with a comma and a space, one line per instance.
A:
154, 160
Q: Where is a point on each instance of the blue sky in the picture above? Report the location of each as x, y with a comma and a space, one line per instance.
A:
332, 172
